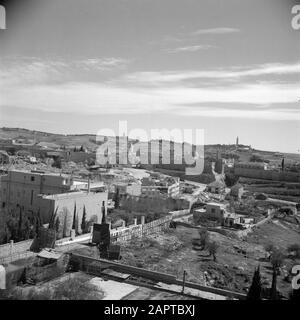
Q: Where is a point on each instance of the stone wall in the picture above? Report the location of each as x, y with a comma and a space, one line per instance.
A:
14, 251
267, 174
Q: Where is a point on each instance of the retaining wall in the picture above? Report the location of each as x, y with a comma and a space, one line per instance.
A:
84, 261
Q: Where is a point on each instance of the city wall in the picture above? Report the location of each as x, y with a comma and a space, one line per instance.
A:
267, 174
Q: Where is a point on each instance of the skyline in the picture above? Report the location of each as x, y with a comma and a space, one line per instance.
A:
231, 69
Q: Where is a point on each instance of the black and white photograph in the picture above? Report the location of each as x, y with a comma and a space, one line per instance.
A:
150, 151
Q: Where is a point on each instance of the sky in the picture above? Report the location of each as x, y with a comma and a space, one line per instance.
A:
231, 68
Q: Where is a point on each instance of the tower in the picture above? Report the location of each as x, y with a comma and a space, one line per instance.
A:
237, 141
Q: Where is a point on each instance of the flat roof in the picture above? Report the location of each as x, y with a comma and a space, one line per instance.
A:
216, 204
39, 172
70, 194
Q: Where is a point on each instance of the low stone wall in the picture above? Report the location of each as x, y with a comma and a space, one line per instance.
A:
267, 174
140, 229
13, 251
13, 248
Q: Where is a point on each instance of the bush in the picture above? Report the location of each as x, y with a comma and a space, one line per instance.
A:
212, 248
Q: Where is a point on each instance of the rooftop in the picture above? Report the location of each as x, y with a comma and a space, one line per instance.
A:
69, 195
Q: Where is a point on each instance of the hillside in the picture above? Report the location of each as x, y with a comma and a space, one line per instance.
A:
89, 141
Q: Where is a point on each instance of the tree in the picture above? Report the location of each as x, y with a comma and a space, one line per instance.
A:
74, 218
57, 163
256, 158
57, 224
76, 225
277, 259
254, 292
83, 221
117, 198
20, 225
212, 248
269, 247
27, 229
52, 219
103, 213
67, 222
204, 238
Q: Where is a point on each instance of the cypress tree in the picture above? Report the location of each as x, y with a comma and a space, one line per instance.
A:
20, 225
103, 213
83, 221
74, 217
57, 223
254, 292
117, 199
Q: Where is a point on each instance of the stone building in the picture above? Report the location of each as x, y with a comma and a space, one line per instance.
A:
39, 191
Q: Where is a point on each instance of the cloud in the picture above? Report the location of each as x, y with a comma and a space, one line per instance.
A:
153, 92
16, 70
96, 98
216, 31
102, 64
270, 69
190, 48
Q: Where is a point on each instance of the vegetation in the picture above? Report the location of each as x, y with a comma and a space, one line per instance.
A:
73, 289
256, 158
212, 248
83, 221
277, 259
294, 250
254, 292
18, 225
57, 163
204, 238
117, 199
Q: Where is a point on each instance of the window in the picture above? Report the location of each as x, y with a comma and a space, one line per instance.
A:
32, 178
3, 204
213, 210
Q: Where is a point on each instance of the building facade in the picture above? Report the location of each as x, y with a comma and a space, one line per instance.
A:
66, 204
22, 188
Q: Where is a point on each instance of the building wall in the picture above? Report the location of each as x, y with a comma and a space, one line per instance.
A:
79, 156
174, 189
237, 192
134, 189
150, 191
214, 211
22, 188
66, 203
